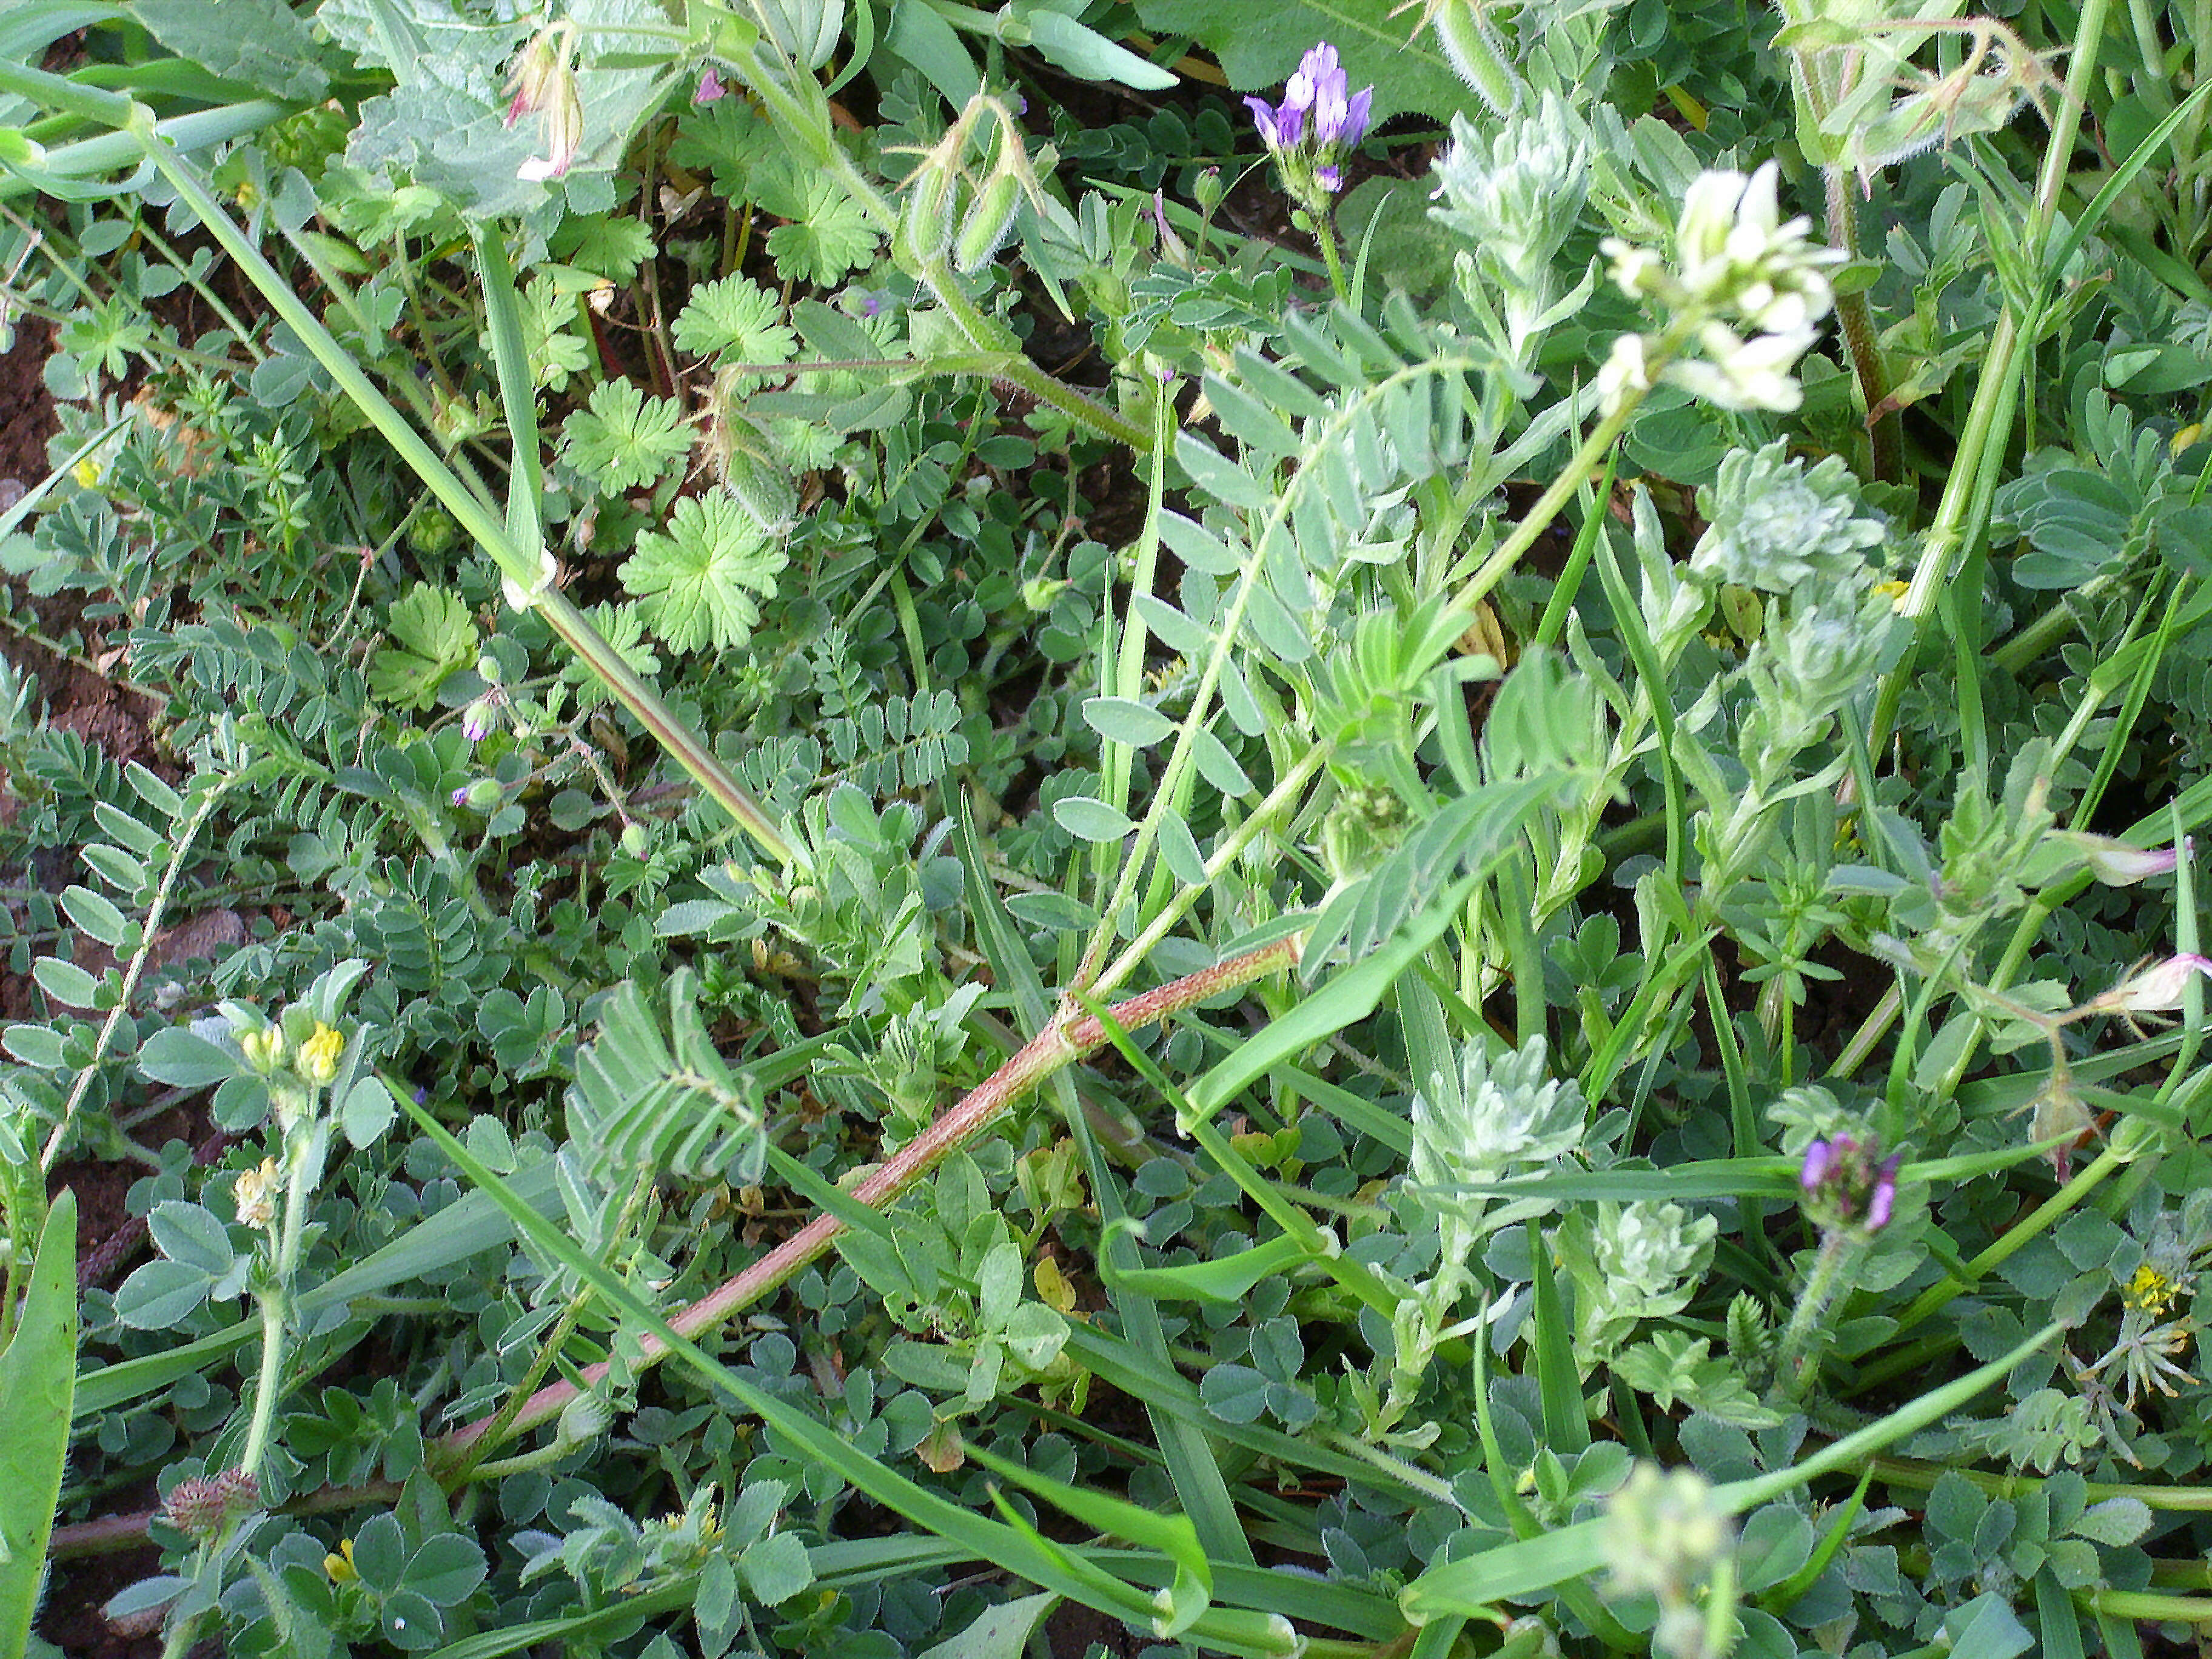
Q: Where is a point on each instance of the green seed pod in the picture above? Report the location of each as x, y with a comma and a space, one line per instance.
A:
636, 840
1477, 54
929, 202
988, 224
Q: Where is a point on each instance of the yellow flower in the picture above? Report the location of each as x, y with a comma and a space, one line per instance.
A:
318, 1054
1895, 592
264, 1049
86, 472
340, 1566
2150, 1291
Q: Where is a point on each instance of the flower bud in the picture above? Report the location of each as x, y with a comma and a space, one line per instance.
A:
636, 840
929, 202
484, 795
254, 1193
264, 1049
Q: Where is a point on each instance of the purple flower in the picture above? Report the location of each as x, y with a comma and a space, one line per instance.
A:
1845, 1189
710, 87
1318, 119
1817, 1159
1280, 128
1885, 1194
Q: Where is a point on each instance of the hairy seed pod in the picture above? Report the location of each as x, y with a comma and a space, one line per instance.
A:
929, 204
988, 224
1477, 53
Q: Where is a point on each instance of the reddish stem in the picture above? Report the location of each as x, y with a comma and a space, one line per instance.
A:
1069, 1037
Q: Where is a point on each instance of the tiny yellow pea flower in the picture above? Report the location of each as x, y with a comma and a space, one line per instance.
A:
318, 1054
340, 1566
2150, 1290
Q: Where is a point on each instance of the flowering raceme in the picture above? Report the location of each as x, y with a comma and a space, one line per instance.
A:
1319, 118
1746, 286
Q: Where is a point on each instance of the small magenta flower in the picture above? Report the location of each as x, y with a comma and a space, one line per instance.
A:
2117, 864
544, 83
710, 87
1818, 1157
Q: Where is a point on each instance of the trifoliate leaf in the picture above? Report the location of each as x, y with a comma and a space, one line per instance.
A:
623, 629
831, 237
434, 635
623, 438
736, 318
696, 585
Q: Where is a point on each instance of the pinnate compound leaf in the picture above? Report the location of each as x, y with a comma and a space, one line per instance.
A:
700, 585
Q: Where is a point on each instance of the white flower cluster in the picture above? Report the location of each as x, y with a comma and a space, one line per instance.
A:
1748, 287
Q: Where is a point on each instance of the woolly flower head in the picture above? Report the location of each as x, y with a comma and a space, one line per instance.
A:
1773, 523
1632, 1262
1495, 1114
1515, 198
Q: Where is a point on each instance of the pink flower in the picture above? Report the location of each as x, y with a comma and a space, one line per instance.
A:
2117, 864
710, 87
2154, 990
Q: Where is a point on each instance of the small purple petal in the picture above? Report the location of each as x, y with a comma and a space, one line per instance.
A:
1818, 1157
1883, 1201
1355, 116
460, 797
1329, 179
1263, 116
710, 87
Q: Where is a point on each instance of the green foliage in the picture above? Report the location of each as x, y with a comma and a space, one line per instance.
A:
700, 585
621, 439
1153, 610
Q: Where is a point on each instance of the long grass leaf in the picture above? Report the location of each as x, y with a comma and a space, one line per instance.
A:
36, 1373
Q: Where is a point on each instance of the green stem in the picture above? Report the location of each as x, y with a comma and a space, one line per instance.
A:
525, 570
1989, 418
1797, 1361
181, 850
